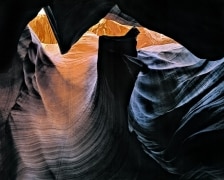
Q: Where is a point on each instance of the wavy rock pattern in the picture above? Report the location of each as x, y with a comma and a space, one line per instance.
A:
67, 128
41, 140
177, 112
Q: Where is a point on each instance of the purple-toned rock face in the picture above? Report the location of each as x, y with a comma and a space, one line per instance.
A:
174, 106
61, 128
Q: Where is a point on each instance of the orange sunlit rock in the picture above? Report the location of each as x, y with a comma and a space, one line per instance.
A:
110, 28
42, 28
145, 38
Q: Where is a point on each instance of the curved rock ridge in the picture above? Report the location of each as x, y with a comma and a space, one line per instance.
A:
176, 110
61, 129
